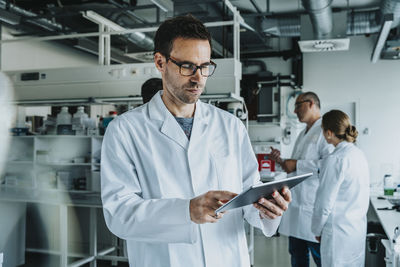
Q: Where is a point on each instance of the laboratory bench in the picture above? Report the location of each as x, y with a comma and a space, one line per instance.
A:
63, 201
389, 219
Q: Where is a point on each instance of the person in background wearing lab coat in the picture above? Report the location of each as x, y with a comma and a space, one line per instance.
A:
169, 164
339, 219
309, 148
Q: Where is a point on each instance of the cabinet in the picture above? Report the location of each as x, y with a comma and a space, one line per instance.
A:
54, 162
59, 178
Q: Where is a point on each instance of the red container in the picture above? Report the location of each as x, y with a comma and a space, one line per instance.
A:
265, 163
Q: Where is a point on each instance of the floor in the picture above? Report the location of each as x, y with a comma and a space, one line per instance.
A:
272, 252
269, 252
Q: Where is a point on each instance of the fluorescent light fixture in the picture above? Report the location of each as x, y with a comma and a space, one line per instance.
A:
383, 34
9, 18
164, 5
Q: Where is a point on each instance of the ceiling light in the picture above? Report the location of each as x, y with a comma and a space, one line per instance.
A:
383, 34
339, 44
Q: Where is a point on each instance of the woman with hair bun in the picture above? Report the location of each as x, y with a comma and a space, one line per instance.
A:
340, 210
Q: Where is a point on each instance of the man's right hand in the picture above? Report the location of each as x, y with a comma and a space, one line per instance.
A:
202, 208
275, 155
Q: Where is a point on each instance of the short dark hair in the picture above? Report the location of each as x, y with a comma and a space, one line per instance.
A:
313, 96
187, 27
150, 88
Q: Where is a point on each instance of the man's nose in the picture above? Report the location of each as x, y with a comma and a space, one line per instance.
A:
196, 76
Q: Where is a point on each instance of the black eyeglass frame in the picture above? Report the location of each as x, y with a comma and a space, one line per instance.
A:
194, 67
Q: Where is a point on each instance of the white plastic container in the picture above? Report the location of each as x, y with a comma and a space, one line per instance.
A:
64, 118
388, 185
1, 259
80, 113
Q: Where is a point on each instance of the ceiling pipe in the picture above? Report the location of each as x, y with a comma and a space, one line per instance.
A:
358, 22
138, 38
320, 12
41, 22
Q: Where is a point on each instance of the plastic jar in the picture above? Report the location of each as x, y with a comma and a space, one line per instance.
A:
64, 118
80, 113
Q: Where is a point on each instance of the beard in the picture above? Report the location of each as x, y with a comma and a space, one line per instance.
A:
187, 93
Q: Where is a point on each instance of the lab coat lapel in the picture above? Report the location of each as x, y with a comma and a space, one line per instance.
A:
200, 122
169, 127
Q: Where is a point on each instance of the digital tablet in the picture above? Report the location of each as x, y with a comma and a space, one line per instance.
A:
254, 193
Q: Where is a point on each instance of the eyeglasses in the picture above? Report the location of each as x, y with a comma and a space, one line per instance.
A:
189, 69
297, 104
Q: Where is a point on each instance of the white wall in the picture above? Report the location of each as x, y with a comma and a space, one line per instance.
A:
38, 55
342, 77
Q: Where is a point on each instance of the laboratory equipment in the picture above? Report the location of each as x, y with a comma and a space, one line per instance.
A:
237, 109
107, 120
111, 81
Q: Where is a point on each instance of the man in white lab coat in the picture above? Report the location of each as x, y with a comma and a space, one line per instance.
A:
310, 147
169, 164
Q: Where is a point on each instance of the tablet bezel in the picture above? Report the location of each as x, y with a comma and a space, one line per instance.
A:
269, 188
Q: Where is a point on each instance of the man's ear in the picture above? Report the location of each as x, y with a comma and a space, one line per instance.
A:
311, 103
160, 61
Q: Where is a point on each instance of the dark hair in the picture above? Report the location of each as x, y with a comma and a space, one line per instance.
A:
150, 88
187, 27
313, 96
339, 123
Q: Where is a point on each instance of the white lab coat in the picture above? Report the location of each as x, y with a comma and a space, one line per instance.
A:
340, 212
309, 149
150, 171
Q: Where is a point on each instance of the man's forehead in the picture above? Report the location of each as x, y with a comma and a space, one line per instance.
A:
191, 48
300, 98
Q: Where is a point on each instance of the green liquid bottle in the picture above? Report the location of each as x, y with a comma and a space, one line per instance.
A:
388, 187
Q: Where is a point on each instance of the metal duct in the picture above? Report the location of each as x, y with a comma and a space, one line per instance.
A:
138, 38
358, 23
370, 21
320, 12
282, 27
42, 22
391, 6
365, 22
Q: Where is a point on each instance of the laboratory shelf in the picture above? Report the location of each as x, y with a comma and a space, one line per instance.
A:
42, 159
20, 162
65, 136
63, 164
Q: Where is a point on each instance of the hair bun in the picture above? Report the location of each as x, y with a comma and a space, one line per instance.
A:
351, 133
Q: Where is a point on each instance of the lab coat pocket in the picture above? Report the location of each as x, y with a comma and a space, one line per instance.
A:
227, 169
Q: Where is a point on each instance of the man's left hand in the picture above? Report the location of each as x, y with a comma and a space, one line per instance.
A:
274, 207
289, 165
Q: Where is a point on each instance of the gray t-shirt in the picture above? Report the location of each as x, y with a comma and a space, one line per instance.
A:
186, 124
